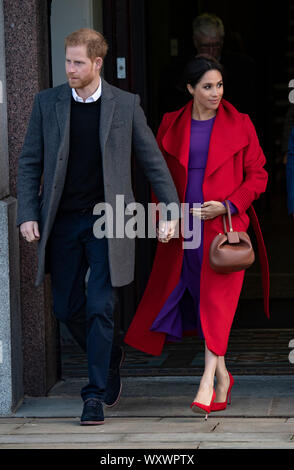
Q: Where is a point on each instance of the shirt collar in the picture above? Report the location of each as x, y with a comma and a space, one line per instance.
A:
91, 98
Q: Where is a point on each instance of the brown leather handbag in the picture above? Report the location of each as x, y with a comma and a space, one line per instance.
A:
231, 251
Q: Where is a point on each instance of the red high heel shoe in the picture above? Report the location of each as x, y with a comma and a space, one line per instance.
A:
218, 406
200, 408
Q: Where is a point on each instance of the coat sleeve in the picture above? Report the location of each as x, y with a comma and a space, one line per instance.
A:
255, 176
151, 159
160, 134
290, 173
30, 168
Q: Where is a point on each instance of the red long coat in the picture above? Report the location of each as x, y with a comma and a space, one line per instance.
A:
234, 171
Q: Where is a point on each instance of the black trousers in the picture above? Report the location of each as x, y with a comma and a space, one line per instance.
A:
87, 310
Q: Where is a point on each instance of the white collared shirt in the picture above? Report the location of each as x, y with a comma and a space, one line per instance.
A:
91, 98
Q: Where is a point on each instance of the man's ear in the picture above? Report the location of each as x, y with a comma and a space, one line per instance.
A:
98, 63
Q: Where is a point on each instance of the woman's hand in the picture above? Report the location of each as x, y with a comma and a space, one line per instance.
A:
209, 210
166, 230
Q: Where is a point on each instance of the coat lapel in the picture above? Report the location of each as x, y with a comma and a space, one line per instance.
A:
176, 140
62, 108
226, 139
106, 114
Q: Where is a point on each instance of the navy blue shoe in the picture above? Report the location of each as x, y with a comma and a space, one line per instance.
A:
92, 412
114, 384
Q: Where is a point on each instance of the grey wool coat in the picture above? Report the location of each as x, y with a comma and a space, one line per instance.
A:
43, 164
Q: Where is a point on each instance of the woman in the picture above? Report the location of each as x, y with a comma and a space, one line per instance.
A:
214, 155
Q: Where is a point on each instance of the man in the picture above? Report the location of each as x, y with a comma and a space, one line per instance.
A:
78, 144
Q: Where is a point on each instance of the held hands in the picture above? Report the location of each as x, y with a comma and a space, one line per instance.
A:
166, 230
209, 210
30, 231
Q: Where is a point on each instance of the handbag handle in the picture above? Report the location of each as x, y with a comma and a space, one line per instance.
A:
233, 237
229, 217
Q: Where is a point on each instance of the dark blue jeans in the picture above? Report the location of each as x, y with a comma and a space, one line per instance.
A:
87, 310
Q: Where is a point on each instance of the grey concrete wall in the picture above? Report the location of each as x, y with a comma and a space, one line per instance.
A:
26, 27
11, 362
11, 358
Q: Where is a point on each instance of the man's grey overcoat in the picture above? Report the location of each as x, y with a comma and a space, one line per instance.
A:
43, 164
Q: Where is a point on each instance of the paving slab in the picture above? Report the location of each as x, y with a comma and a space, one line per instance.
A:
156, 440
7, 428
130, 425
248, 406
130, 446
272, 445
214, 437
61, 438
282, 406
255, 425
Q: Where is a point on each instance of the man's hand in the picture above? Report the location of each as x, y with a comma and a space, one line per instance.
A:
209, 210
30, 231
166, 230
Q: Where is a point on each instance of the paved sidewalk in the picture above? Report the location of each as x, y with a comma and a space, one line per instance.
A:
154, 413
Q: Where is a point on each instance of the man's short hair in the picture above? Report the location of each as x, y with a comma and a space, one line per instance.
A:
94, 41
209, 25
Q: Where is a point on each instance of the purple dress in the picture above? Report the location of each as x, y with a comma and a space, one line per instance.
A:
181, 310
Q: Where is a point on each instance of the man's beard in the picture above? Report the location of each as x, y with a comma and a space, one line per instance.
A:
80, 83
